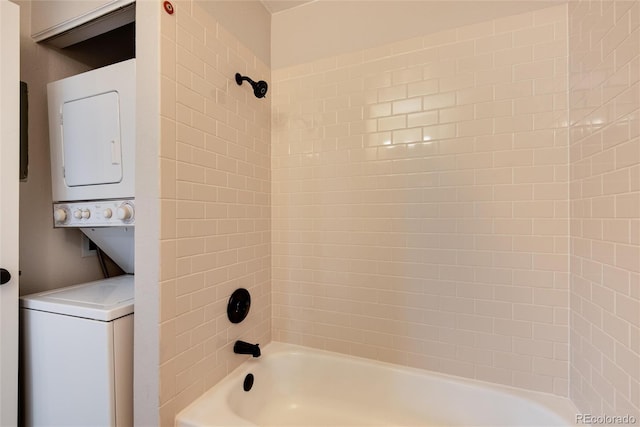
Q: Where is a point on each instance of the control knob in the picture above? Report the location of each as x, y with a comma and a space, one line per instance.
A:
60, 215
125, 212
77, 214
86, 214
107, 213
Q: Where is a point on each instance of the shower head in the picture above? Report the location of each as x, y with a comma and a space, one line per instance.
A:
259, 88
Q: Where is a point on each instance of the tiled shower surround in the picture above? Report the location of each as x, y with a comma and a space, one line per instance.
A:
465, 202
420, 202
604, 57
215, 198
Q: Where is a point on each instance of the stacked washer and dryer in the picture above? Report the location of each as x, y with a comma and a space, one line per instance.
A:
78, 340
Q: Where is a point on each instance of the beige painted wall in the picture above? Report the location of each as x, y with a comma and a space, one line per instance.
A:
604, 51
325, 28
215, 203
247, 20
147, 292
49, 258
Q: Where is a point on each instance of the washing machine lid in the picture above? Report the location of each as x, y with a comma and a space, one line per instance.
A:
103, 300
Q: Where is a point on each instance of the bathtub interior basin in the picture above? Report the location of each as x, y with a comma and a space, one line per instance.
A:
299, 386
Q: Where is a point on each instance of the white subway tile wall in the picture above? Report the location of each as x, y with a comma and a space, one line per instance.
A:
215, 190
415, 203
420, 202
604, 99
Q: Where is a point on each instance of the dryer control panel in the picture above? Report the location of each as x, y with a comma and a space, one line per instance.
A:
103, 213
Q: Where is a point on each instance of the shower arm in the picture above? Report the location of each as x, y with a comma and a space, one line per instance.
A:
240, 78
259, 88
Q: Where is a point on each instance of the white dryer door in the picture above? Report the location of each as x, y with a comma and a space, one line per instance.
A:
91, 140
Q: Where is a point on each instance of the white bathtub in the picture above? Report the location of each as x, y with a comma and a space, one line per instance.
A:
298, 386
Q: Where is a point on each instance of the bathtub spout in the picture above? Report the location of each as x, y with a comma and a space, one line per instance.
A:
241, 347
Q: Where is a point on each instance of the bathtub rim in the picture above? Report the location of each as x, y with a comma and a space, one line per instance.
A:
561, 406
